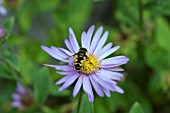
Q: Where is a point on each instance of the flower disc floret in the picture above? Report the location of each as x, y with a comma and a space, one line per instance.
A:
91, 65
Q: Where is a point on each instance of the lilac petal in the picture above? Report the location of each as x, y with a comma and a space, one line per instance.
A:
106, 91
73, 40
96, 87
53, 53
87, 88
110, 75
66, 52
78, 86
84, 40
104, 49
63, 79
91, 96
17, 104
69, 82
115, 60
66, 72
110, 51
71, 32
60, 53
75, 48
3, 10
114, 69
20, 89
86, 84
61, 67
96, 39
16, 97
102, 82
69, 46
89, 36
71, 62
106, 79
101, 42
118, 89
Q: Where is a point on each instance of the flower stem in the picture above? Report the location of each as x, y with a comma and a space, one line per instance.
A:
79, 102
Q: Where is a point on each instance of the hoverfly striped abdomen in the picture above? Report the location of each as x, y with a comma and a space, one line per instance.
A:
79, 58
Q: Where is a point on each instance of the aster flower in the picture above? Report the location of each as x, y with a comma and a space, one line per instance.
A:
21, 98
2, 32
96, 71
3, 10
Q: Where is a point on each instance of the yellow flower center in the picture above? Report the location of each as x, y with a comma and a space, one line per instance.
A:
91, 65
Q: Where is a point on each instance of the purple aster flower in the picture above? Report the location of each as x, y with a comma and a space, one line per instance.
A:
21, 98
2, 32
3, 10
88, 66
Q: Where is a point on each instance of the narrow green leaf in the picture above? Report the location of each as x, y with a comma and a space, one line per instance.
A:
43, 5
49, 110
28, 70
4, 71
8, 24
163, 33
24, 17
13, 61
85, 105
136, 108
157, 62
53, 90
80, 14
159, 6
41, 86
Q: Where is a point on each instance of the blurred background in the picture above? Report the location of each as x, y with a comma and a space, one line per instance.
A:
140, 27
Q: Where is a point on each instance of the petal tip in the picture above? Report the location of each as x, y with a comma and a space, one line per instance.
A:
92, 26
60, 89
43, 47
56, 83
118, 47
70, 30
128, 59
74, 94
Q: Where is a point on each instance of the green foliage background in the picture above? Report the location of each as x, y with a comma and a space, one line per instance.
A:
140, 27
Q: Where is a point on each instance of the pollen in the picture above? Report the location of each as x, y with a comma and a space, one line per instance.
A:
91, 65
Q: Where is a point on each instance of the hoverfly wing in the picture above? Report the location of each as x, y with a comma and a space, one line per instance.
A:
68, 60
62, 63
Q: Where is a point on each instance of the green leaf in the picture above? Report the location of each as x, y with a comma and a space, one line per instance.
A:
155, 82
101, 104
157, 57
163, 33
85, 105
53, 90
65, 16
4, 71
136, 108
44, 5
13, 61
159, 6
28, 70
41, 86
80, 14
128, 12
49, 110
24, 19
8, 24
